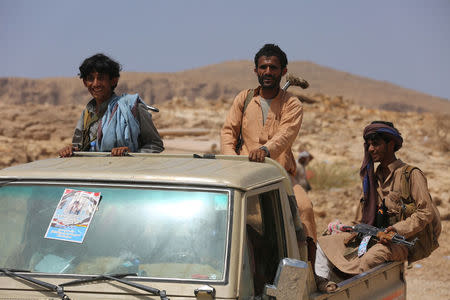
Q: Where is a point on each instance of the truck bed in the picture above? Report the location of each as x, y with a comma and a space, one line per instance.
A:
385, 281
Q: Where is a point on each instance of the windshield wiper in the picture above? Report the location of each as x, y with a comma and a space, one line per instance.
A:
53, 287
117, 277
14, 270
5, 182
96, 278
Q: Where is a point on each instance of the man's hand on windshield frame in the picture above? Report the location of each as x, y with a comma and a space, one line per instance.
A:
120, 151
67, 151
258, 155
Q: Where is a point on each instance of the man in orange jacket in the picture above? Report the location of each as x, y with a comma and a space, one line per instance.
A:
269, 125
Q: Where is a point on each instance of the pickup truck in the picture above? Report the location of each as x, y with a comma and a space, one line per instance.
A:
161, 227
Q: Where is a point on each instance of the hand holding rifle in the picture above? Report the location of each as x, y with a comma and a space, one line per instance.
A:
385, 236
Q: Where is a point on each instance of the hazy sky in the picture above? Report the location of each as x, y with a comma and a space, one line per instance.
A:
406, 42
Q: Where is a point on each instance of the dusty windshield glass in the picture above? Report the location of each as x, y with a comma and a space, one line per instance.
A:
174, 234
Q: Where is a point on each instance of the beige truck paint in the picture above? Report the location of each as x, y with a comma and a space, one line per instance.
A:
246, 180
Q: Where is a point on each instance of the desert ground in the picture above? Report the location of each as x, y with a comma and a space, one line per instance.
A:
331, 131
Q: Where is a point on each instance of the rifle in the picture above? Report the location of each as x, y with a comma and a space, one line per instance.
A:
366, 229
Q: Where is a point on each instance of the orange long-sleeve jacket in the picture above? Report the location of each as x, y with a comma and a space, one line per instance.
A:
277, 134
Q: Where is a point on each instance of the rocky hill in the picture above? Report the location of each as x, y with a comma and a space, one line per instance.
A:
38, 118
223, 81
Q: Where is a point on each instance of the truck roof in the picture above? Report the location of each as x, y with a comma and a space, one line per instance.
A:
223, 171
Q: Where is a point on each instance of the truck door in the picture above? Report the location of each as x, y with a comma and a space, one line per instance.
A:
265, 238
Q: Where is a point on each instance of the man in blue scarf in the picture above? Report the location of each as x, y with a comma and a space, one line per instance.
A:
111, 123
376, 151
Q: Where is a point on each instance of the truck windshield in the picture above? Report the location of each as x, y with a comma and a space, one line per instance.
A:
153, 232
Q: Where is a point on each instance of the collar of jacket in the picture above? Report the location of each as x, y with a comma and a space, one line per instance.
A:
257, 92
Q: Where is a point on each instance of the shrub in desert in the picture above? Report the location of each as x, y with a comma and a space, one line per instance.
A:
400, 107
442, 128
327, 175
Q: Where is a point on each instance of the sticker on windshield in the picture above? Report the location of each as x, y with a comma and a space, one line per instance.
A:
73, 215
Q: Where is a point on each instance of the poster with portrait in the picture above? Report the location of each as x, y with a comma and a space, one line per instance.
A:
73, 215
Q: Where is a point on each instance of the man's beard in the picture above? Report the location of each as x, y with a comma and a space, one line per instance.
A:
275, 81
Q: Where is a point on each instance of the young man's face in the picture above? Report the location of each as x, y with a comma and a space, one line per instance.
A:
379, 150
269, 72
100, 86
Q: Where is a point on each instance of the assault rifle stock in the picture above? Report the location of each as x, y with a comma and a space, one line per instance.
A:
365, 229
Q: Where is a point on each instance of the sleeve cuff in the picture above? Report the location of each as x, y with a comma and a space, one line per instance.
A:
266, 150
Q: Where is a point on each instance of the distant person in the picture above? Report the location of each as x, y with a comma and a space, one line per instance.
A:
395, 197
264, 122
111, 123
304, 157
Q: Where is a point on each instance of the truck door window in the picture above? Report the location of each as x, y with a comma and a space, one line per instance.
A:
265, 237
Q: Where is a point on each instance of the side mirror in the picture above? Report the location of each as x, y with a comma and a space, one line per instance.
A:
293, 281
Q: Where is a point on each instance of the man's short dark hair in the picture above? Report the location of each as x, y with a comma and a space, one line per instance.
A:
272, 50
100, 63
377, 136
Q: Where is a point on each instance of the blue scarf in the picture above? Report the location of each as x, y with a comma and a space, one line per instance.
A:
120, 128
